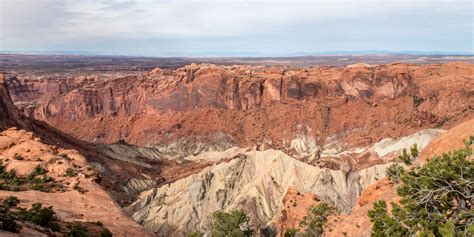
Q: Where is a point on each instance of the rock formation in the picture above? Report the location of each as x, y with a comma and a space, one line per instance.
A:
257, 182
79, 197
175, 145
93, 205
199, 106
357, 223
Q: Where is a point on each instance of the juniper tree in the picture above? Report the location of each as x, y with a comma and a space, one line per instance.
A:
234, 223
313, 223
436, 199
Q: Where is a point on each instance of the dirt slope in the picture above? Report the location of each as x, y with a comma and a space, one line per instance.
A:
23, 151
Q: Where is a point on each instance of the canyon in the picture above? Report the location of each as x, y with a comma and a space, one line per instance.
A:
173, 145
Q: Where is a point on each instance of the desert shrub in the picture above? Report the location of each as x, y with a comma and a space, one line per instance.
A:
436, 199
99, 223
18, 157
10, 202
105, 233
408, 158
41, 216
268, 231
70, 172
291, 232
38, 171
234, 223
313, 223
79, 188
11, 215
383, 223
417, 101
77, 230
10, 181
394, 172
65, 156
196, 234
7, 220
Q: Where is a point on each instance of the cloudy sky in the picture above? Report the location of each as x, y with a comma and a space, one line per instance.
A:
232, 27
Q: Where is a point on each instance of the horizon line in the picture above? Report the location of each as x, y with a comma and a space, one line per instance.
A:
243, 54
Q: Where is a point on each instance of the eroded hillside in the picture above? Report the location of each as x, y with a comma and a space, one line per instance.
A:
44, 169
180, 144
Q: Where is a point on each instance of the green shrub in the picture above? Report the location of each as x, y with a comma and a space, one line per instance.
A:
417, 101
105, 233
79, 189
65, 156
383, 223
234, 223
10, 202
38, 171
436, 199
70, 172
77, 230
7, 221
408, 158
18, 157
313, 223
291, 232
394, 172
10, 181
41, 216
268, 231
7, 218
196, 234
99, 223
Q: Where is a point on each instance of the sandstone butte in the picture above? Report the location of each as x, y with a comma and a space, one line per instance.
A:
174, 145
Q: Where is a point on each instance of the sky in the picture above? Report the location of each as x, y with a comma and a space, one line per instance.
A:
235, 27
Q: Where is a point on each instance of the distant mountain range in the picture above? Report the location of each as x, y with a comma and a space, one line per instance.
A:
247, 54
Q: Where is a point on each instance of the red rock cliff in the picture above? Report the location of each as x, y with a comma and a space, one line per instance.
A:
252, 105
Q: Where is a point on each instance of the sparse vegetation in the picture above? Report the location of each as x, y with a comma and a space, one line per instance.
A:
313, 223
18, 157
37, 180
79, 189
65, 156
105, 233
99, 223
268, 231
44, 220
10, 214
196, 234
7, 220
436, 199
234, 223
38, 171
77, 230
42, 216
70, 172
291, 232
409, 158
394, 172
417, 101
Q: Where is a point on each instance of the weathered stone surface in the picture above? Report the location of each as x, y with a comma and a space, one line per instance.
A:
264, 106
256, 183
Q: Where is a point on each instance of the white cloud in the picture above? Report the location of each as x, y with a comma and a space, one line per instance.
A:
28, 23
